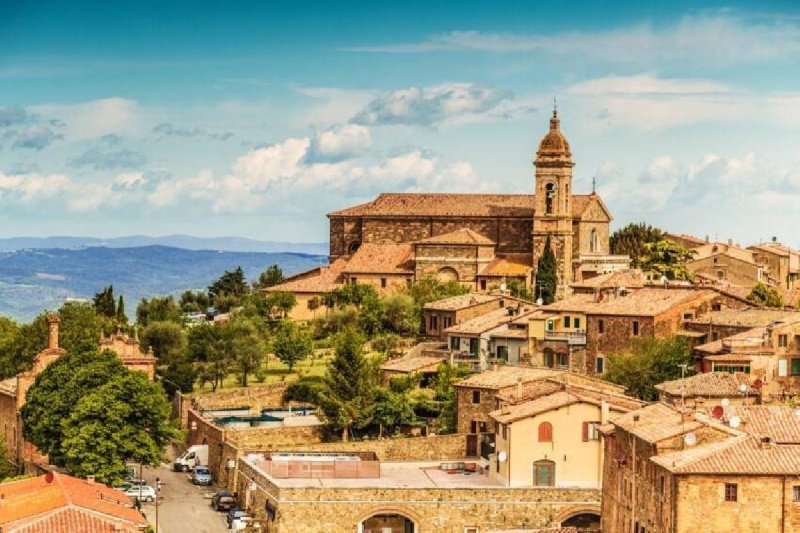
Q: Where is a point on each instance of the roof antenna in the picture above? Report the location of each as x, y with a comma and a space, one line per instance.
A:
594, 184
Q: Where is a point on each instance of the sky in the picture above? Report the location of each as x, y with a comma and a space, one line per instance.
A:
254, 119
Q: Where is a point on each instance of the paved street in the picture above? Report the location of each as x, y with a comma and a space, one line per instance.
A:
182, 506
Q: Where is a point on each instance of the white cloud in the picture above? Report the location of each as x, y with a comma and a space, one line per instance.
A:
94, 118
428, 106
646, 84
696, 39
331, 105
340, 142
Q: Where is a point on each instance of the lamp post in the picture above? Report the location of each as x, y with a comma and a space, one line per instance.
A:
158, 490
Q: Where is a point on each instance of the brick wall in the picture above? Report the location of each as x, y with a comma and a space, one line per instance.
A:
439, 447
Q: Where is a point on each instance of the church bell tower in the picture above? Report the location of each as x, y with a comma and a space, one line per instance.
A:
553, 207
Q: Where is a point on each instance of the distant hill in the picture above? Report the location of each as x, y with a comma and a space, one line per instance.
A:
228, 244
35, 279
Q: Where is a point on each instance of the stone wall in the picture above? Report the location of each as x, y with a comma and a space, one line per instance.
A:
439, 447
8, 419
257, 397
468, 412
434, 510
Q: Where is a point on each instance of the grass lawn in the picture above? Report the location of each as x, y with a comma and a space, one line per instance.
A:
275, 372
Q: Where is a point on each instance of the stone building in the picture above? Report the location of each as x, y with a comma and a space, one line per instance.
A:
726, 263
781, 262
480, 240
130, 353
669, 470
709, 388
443, 314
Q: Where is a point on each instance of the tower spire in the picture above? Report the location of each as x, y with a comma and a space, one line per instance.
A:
555, 107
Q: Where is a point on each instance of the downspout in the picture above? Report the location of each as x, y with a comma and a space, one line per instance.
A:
783, 506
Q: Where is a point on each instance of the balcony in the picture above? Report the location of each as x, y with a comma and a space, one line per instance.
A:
572, 338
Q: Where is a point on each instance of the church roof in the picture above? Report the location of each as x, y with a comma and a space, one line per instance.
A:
459, 236
381, 259
554, 146
455, 205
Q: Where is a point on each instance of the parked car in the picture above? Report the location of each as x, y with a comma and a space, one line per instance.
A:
223, 501
235, 514
145, 493
239, 524
201, 475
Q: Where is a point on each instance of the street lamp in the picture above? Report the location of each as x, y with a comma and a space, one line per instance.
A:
158, 490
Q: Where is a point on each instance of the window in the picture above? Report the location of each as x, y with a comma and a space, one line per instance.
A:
591, 431
502, 352
550, 325
434, 323
549, 198
731, 492
471, 529
447, 322
593, 241
353, 280
545, 432
796, 367
796, 494
635, 327
731, 368
505, 431
577, 323
599, 364
688, 316
544, 473
476, 396
566, 321
455, 343
383, 283
715, 335
563, 360
661, 484
783, 341
474, 346
483, 284
601, 326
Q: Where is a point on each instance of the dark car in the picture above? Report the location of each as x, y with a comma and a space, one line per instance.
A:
223, 501
233, 514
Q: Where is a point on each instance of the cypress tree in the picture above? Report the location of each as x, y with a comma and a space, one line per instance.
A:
121, 318
547, 274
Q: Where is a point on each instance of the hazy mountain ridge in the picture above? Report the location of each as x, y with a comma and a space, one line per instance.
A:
35, 279
187, 242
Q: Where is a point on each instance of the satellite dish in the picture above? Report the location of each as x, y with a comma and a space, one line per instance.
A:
503, 287
797, 413
717, 412
664, 280
725, 402
501, 457
743, 388
735, 422
690, 439
539, 301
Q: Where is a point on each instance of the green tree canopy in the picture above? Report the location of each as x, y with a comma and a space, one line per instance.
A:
547, 274
666, 258
272, 276
280, 302
291, 344
631, 239
390, 409
245, 346
232, 285
194, 302
165, 338
764, 295
208, 351
104, 302
649, 362
157, 309
121, 317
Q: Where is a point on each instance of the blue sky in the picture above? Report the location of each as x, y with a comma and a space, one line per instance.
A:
256, 118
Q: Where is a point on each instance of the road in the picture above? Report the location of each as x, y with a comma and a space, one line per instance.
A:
182, 506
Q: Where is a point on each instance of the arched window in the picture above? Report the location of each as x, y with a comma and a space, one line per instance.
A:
353, 247
447, 274
549, 198
544, 473
593, 241
545, 432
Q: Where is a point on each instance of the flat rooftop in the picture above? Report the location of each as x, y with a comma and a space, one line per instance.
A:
395, 475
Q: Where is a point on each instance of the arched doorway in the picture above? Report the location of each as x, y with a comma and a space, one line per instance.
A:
586, 521
447, 274
387, 522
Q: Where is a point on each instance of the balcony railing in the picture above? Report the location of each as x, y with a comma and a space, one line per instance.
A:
570, 337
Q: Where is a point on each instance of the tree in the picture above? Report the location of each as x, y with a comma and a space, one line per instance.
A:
245, 346
9, 333
122, 318
444, 392
104, 302
429, 290
291, 344
308, 389
648, 362
764, 295
399, 315
126, 419
270, 277
165, 338
547, 274
348, 391
518, 289
207, 350
194, 302
666, 258
281, 302
391, 408
157, 309
231, 284
631, 239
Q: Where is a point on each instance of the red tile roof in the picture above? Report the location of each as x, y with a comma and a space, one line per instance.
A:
381, 259
72, 520
508, 265
318, 280
459, 236
453, 205
27, 498
706, 384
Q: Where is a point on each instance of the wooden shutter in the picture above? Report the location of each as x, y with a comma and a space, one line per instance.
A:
586, 432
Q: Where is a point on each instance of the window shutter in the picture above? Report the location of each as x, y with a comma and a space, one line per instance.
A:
586, 432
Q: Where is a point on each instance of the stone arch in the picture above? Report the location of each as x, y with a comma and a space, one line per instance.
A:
575, 513
446, 274
396, 511
549, 198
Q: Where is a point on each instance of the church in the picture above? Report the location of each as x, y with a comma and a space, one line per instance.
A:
480, 240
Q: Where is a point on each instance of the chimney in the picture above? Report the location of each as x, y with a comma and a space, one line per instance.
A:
730, 242
90, 480
52, 332
605, 411
766, 443
519, 388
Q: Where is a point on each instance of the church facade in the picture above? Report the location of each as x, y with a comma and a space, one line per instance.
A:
515, 226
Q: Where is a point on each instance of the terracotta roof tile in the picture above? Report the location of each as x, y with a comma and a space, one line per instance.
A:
749, 317
556, 400
506, 376
73, 520
740, 455
706, 384
454, 205
489, 321
464, 236
656, 422
381, 259
649, 301
9, 386
463, 301
318, 280
630, 279
509, 265
412, 364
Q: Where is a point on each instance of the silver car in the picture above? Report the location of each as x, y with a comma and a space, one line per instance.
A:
145, 493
